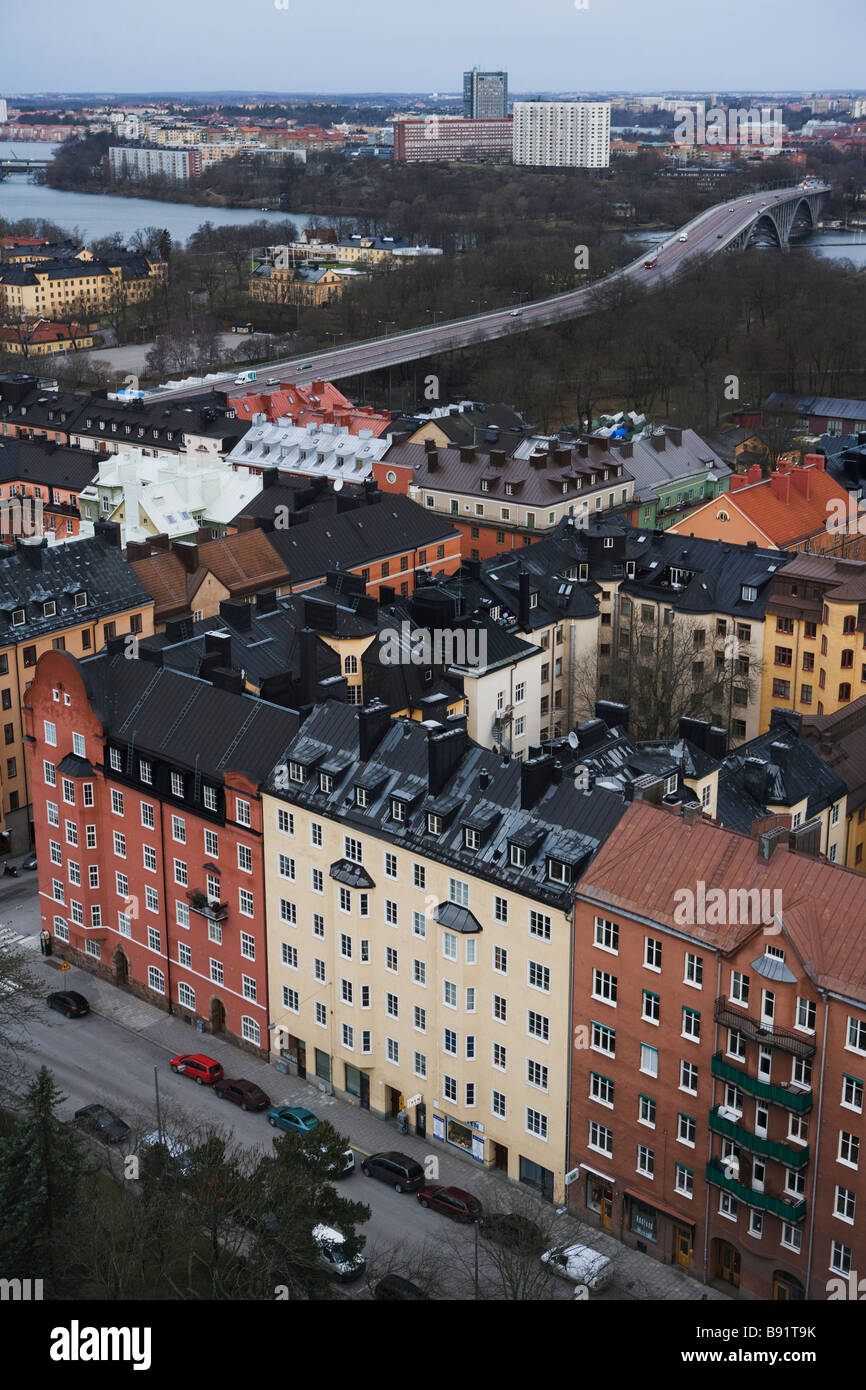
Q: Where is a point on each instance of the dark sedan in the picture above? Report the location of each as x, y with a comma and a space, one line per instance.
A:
451, 1201
69, 1002
246, 1094
102, 1123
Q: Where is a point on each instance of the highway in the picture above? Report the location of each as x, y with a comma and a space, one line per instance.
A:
706, 235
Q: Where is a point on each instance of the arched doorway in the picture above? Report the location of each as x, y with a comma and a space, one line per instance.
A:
121, 967
786, 1288
727, 1263
217, 1015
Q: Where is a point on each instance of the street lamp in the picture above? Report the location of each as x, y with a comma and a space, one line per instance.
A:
480, 303
386, 323
335, 336
434, 313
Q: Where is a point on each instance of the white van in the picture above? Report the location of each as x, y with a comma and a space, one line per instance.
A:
244, 378
581, 1265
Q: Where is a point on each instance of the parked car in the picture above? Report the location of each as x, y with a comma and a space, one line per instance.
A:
175, 1148
331, 1244
511, 1229
344, 1168
204, 1070
29, 862
296, 1119
451, 1201
246, 1094
396, 1288
69, 1002
102, 1123
401, 1171
581, 1265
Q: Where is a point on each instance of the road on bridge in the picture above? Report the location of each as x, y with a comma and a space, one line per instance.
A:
707, 234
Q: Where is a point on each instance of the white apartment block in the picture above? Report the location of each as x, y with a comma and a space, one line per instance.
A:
566, 134
178, 165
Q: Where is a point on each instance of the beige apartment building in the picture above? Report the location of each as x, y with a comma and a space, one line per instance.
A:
419, 901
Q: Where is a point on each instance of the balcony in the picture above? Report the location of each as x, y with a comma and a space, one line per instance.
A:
798, 1101
767, 1148
790, 1209
753, 1031
200, 902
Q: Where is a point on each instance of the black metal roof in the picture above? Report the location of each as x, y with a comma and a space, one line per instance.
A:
36, 576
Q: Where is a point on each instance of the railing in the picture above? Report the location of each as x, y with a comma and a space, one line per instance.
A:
798, 1101
791, 1209
768, 1148
215, 912
754, 1031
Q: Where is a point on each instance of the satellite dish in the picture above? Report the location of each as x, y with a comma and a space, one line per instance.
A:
572, 739
338, 485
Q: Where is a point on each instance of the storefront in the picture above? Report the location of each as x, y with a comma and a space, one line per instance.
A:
469, 1138
660, 1230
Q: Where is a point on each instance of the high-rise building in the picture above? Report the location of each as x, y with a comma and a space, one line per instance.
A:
3, 111
485, 94
572, 134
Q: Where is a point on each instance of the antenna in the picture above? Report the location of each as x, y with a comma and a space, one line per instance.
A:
573, 740
338, 484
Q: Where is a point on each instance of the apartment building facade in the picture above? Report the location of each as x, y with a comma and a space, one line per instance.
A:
148, 830
417, 891
717, 1085
431, 138
565, 134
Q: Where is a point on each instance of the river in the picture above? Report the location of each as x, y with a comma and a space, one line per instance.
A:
94, 215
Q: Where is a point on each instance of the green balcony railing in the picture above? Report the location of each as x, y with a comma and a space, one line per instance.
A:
768, 1148
799, 1101
791, 1209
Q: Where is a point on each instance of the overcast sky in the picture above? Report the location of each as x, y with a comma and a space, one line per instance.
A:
424, 45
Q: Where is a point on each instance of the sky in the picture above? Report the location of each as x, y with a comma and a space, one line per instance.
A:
424, 45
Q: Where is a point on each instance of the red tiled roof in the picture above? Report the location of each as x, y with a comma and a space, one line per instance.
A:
653, 853
786, 521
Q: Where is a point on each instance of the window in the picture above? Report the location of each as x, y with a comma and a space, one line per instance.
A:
845, 1204
286, 866
694, 970
604, 986
119, 844
391, 960
603, 1039
600, 1138
538, 976
285, 821
536, 1123
419, 924
536, 1074
147, 815
242, 811
856, 1035
176, 782
739, 992
392, 1049
538, 1026
606, 935
849, 1149
840, 1257
390, 865
245, 902
649, 1059
601, 1088
645, 1161
852, 1093
458, 892
686, 1130
650, 1007
691, 1024
500, 1007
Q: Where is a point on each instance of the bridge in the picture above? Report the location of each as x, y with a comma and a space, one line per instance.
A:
782, 213
16, 165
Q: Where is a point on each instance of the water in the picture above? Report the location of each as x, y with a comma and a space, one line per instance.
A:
99, 214
836, 246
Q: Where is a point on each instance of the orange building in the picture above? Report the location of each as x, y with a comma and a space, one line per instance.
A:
787, 511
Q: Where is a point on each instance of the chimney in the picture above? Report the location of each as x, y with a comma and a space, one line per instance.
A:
108, 531
768, 841
626, 450
30, 549
755, 777
432, 459
430, 446
308, 642
818, 461
613, 714
497, 458
187, 553
781, 754
802, 481
467, 454
556, 773
320, 614
674, 434
780, 484
179, 629
266, 601
523, 601
373, 723
717, 743
445, 749
483, 779
659, 442
237, 614
534, 778
695, 730
219, 644
538, 459
754, 474
224, 678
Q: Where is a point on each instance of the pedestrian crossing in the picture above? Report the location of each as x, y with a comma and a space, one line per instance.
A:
13, 941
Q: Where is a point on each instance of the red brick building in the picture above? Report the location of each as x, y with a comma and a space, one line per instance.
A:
719, 1065
148, 830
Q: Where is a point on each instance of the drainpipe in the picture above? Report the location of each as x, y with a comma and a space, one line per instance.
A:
709, 1131
165, 912
825, 998
570, 1045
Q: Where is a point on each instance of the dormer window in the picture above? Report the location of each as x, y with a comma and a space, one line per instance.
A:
297, 773
49, 609
326, 782
471, 838
81, 599
558, 872
114, 759
517, 856
496, 611
177, 784
362, 798
583, 573
509, 489
485, 486
145, 772
670, 784
18, 617
434, 824
398, 810
607, 543
629, 569
748, 593
533, 600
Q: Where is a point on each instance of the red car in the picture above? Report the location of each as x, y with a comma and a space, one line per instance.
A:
451, 1201
202, 1069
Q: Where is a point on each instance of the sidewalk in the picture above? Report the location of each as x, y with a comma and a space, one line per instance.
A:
640, 1275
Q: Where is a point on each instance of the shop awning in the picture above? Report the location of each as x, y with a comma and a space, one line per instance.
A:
659, 1206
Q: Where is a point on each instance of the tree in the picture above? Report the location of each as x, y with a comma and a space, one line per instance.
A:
20, 1001
42, 1164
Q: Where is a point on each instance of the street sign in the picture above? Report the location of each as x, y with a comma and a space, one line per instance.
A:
572, 1176
413, 1100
